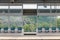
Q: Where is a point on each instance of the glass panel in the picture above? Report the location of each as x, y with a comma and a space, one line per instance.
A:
53, 21
58, 10
4, 21
47, 9
15, 21
3, 9
29, 6
29, 23
43, 21
15, 9
57, 7
43, 9
53, 9
46, 21
58, 21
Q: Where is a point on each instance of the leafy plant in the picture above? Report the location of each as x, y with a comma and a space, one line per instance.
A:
26, 27
58, 22
45, 24
30, 23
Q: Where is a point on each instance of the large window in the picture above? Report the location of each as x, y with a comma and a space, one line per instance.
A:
53, 21
43, 21
4, 21
29, 23
15, 21
46, 21
58, 21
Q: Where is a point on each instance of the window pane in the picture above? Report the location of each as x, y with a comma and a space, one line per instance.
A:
53, 9
43, 21
4, 21
53, 21
58, 10
58, 21
57, 7
46, 21
43, 9
15, 9
15, 21
29, 23
3, 9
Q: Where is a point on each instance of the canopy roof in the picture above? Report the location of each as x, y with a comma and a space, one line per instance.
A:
30, 1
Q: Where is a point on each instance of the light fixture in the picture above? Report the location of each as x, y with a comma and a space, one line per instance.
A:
44, 3
45, 6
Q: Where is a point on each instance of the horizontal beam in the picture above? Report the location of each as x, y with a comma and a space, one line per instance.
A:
30, 1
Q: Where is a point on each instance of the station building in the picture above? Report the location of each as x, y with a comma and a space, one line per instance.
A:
29, 17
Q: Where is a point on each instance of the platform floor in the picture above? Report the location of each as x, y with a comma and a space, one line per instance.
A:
29, 37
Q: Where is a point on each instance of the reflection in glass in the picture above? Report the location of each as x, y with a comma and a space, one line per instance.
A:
46, 21
48, 9
12, 9
44, 9
53, 21
3, 9
15, 9
15, 21
29, 23
4, 21
58, 21
43, 21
